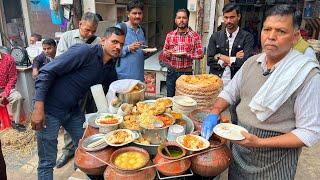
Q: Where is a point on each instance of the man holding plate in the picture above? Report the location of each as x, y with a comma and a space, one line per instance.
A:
279, 104
181, 46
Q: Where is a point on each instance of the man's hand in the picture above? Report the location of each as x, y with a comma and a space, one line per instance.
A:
240, 54
168, 52
249, 141
225, 59
38, 116
35, 73
134, 46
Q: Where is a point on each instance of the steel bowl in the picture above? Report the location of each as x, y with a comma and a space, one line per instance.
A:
133, 97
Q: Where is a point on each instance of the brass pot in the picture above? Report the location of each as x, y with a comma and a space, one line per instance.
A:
133, 97
214, 162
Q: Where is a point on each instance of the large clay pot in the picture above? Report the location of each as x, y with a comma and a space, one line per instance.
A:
174, 168
115, 174
214, 162
90, 165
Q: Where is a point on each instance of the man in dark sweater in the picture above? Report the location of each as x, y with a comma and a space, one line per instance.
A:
229, 48
60, 85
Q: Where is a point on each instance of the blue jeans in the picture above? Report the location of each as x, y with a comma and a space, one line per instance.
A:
172, 76
47, 140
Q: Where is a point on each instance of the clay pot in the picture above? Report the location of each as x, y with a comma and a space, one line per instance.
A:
89, 164
129, 149
115, 174
214, 162
174, 168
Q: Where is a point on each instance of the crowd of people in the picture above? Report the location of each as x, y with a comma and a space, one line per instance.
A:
272, 94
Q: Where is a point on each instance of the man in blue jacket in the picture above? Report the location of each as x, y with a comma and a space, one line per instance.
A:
60, 85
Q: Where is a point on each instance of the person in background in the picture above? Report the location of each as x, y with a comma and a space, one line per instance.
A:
131, 62
34, 38
33, 49
59, 87
49, 47
181, 47
302, 45
229, 48
8, 80
279, 103
84, 35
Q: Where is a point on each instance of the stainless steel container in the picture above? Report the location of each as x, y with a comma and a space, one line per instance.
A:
157, 135
133, 97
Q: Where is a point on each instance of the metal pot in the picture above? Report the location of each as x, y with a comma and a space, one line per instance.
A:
157, 135
133, 97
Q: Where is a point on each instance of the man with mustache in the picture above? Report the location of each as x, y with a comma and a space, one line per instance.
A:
131, 62
280, 105
181, 47
85, 34
229, 48
59, 87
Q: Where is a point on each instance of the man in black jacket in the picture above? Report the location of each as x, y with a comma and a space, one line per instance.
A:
229, 48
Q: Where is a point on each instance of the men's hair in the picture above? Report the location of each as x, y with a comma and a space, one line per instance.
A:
231, 7
50, 42
37, 36
90, 17
99, 17
134, 4
113, 30
285, 10
185, 11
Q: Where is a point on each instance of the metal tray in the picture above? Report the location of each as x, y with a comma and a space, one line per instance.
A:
186, 174
92, 139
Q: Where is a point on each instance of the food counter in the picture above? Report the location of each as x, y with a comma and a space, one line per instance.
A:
110, 155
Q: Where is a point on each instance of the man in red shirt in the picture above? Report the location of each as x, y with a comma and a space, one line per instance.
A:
181, 47
8, 79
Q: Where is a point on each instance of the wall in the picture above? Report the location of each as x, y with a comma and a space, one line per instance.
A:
40, 19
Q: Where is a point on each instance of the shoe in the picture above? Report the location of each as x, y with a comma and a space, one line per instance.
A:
20, 127
63, 160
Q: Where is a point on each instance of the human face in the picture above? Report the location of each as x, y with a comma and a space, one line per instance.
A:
278, 36
33, 40
181, 20
112, 45
49, 50
87, 29
231, 20
135, 16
